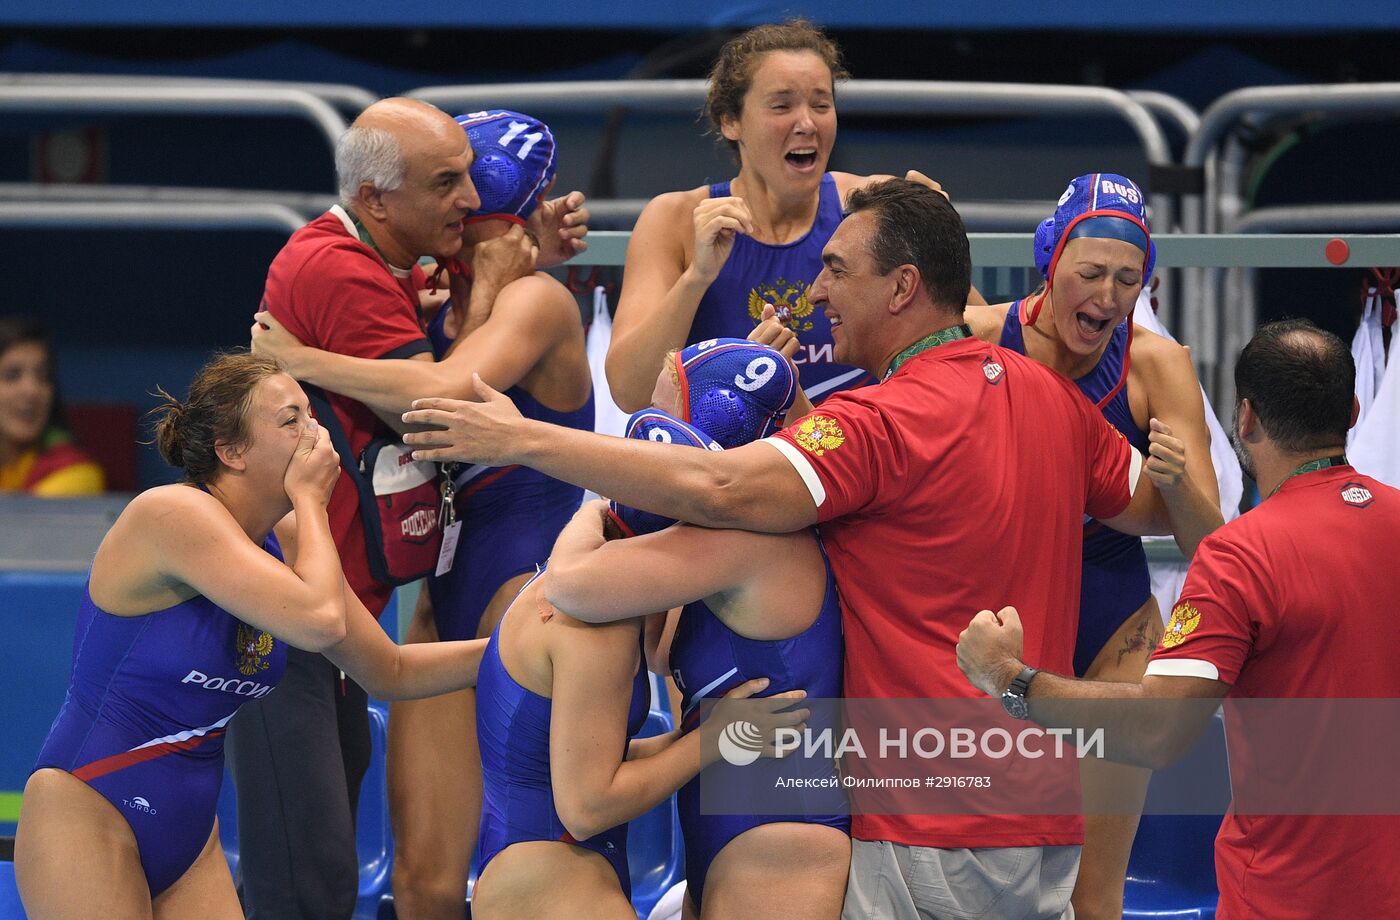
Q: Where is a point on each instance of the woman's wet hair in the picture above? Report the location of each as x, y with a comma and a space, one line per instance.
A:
733, 70
215, 412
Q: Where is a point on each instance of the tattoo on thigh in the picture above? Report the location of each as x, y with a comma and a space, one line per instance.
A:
1144, 638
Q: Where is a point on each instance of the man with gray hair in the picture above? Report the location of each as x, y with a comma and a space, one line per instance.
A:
349, 282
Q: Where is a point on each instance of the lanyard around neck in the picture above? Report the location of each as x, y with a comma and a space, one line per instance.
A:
1310, 467
932, 340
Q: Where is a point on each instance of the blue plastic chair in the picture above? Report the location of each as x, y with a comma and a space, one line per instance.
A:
373, 838
10, 907
655, 849
1171, 873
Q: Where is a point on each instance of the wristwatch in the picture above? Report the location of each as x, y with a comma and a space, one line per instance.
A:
1013, 699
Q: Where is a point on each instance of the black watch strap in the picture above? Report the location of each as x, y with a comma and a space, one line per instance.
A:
1022, 683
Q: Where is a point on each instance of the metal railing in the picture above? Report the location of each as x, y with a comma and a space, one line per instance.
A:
1227, 111
976, 215
351, 99
1201, 318
151, 99
856, 97
1168, 108
168, 215
1198, 315
1174, 250
1240, 284
307, 204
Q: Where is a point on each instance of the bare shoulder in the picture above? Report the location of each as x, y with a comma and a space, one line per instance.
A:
539, 291
571, 630
664, 229
672, 205
986, 320
129, 567
568, 639
1159, 360
170, 506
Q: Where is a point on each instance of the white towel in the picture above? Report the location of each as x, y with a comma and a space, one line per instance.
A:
1368, 351
607, 417
1374, 442
1222, 455
669, 907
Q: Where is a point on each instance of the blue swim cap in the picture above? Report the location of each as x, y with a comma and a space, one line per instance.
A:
1103, 205
515, 161
736, 390
655, 425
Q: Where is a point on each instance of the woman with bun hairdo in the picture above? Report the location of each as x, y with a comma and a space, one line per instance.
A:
193, 599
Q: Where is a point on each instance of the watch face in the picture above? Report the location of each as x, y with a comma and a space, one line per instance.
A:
1015, 705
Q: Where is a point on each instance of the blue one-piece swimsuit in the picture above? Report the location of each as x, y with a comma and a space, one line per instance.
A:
1116, 582
510, 518
707, 660
517, 802
143, 721
761, 273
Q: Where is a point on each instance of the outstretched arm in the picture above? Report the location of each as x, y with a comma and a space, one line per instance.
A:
1149, 724
402, 672
750, 488
387, 670
600, 581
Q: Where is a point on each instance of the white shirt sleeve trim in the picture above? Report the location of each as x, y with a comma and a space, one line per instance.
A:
803, 466
1134, 471
1182, 667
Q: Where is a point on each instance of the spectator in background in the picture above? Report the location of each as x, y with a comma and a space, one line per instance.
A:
37, 454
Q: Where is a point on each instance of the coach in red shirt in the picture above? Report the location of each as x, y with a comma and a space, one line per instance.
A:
964, 474
349, 282
1293, 601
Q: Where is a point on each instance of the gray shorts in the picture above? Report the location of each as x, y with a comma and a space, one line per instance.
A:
891, 881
